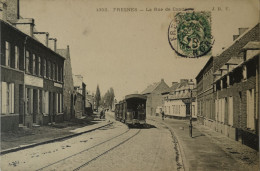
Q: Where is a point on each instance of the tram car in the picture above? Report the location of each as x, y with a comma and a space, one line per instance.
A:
131, 110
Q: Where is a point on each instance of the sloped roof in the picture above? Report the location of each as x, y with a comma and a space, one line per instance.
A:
174, 87
253, 45
62, 52
151, 88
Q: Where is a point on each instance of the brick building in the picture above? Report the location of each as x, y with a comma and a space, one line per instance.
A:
154, 96
177, 101
233, 87
31, 73
79, 96
68, 88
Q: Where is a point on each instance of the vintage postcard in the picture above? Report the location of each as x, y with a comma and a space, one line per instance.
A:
129, 85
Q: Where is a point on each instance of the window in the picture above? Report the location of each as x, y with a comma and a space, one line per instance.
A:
33, 64
54, 73
244, 72
27, 61
51, 65
228, 80
57, 72
45, 102
29, 101
39, 66
7, 98
7, 53
48, 69
40, 103
16, 49
230, 111
44, 67
250, 109
61, 74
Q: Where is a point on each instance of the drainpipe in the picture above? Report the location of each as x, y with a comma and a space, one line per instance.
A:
24, 67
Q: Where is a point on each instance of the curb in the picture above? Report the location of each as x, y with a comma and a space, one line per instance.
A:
182, 154
50, 141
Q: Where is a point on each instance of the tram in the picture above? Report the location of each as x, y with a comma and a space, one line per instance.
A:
131, 110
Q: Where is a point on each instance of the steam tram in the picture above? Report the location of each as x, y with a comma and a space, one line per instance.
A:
131, 110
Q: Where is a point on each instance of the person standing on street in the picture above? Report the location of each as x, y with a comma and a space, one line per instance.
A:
162, 114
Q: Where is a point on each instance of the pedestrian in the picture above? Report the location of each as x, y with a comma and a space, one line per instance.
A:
162, 115
101, 114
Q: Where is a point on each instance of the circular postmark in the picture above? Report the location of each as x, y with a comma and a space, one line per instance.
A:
189, 34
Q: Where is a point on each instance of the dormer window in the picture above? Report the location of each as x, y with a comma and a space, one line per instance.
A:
244, 72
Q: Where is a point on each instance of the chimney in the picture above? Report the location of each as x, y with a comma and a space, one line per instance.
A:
242, 30
13, 11
43, 37
235, 37
173, 83
162, 80
26, 25
3, 10
183, 80
53, 44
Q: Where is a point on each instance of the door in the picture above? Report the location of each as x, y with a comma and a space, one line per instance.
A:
35, 104
21, 104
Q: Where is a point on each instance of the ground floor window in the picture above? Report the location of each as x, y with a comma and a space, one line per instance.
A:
45, 102
250, 109
230, 110
59, 102
7, 98
29, 101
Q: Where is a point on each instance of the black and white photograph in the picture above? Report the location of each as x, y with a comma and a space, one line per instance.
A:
118, 85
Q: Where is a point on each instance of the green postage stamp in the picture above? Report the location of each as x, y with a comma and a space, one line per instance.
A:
189, 34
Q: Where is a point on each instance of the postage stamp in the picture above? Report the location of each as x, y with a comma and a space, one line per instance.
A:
189, 34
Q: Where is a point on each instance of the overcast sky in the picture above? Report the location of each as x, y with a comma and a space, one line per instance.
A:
130, 50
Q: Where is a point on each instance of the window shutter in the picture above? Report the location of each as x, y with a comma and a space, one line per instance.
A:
11, 98
4, 97
47, 102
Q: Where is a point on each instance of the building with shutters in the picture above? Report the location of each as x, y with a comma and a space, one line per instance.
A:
177, 103
228, 89
31, 72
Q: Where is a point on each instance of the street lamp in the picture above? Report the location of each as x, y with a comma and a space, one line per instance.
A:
191, 86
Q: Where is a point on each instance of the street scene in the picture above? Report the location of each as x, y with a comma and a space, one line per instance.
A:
118, 85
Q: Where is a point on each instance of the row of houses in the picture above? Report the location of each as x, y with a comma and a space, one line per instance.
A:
36, 78
228, 89
226, 97
175, 101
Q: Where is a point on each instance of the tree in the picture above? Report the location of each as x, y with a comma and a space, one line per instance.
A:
111, 97
108, 99
97, 97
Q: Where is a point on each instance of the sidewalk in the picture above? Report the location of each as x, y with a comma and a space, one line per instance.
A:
210, 150
29, 137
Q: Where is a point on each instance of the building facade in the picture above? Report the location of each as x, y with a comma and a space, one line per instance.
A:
234, 92
31, 74
80, 96
177, 103
154, 96
68, 86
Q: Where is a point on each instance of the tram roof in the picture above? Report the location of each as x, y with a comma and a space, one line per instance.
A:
139, 96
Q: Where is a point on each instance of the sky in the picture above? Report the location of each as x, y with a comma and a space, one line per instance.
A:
129, 50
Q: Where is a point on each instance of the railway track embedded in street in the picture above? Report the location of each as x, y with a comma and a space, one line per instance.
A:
123, 138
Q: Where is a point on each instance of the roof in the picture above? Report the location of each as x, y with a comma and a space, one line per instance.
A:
139, 96
252, 46
174, 86
205, 66
234, 61
151, 88
62, 52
